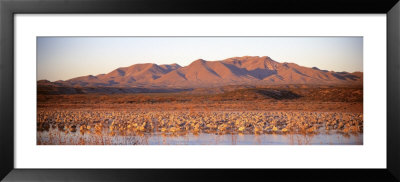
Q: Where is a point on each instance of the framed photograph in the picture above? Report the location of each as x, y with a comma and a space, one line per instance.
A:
144, 91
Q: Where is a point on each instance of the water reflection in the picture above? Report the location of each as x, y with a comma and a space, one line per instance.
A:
53, 136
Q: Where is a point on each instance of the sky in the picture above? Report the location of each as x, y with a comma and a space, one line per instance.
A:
63, 58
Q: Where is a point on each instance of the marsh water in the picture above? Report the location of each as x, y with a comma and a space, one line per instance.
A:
57, 137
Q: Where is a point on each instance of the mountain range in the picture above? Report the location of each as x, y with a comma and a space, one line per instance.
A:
247, 70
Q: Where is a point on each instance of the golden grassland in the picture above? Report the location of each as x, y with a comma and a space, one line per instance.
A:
243, 111
307, 99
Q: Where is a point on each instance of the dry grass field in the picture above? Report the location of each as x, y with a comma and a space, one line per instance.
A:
249, 111
338, 99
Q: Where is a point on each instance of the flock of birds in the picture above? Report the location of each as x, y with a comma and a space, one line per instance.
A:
184, 122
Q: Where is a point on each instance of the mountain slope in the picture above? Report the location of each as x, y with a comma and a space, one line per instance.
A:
202, 74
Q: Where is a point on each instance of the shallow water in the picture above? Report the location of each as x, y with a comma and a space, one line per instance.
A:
56, 137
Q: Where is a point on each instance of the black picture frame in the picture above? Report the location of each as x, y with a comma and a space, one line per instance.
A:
8, 8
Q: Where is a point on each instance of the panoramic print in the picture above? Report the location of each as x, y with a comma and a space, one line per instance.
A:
199, 91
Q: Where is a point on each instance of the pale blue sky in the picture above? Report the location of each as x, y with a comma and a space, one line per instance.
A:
62, 58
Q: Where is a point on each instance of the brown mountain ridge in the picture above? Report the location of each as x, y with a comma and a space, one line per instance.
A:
247, 70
